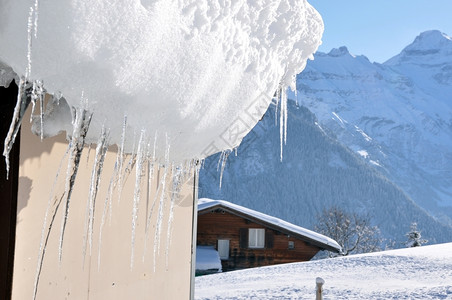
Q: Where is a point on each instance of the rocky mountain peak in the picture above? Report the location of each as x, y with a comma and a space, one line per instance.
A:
429, 45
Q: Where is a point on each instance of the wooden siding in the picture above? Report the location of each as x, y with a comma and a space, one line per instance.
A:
220, 224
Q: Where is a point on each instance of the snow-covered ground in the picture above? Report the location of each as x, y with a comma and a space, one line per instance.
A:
414, 273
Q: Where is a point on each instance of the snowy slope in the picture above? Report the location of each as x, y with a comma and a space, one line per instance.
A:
414, 273
316, 172
396, 115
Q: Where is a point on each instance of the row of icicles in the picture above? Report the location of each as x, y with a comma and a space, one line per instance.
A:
142, 158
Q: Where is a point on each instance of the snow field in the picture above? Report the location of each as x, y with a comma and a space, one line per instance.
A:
413, 273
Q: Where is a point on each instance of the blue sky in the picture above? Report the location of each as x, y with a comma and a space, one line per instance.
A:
380, 29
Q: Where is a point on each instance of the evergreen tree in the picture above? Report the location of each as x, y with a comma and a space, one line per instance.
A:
414, 237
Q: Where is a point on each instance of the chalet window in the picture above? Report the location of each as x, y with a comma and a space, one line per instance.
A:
256, 238
223, 249
291, 245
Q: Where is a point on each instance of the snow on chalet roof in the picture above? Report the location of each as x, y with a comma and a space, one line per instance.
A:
313, 237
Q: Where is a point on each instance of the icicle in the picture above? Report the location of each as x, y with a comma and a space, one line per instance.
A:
101, 152
158, 229
107, 206
36, 10
174, 195
80, 129
223, 158
89, 154
137, 192
282, 119
148, 221
120, 156
41, 115
150, 174
129, 167
132, 160
23, 100
219, 160
37, 94
284, 101
29, 40
276, 106
151, 166
296, 96
43, 241
33, 100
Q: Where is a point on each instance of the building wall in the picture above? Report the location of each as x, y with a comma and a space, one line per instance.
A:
161, 268
219, 224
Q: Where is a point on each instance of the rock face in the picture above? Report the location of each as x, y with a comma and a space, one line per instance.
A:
380, 143
397, 115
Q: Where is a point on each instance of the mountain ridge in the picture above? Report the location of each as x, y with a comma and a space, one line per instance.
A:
404, 110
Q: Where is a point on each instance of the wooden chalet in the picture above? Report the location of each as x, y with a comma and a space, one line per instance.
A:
245, 238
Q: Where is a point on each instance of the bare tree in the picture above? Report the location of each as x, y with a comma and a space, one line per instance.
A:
353, 232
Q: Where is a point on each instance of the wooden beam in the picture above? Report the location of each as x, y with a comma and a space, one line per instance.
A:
8, 193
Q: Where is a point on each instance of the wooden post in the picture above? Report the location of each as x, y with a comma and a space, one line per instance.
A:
319, 288
8, 193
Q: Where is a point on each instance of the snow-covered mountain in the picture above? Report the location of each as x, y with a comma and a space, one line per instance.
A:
396, 115
380, 138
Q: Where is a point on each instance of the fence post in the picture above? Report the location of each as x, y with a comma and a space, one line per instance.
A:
319, 289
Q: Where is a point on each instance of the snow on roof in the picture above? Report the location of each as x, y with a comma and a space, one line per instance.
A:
182, 71
207, 258
330, 244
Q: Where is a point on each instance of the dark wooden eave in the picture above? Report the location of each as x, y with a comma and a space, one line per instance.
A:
8, 193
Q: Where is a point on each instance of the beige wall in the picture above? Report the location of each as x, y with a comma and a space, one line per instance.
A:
73, 279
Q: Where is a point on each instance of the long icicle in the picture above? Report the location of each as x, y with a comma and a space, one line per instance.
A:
223, 164
281, 123
176, 173
41, 110
30, 30
57, 206
42, 245
137, 191
36, 14
120, 157
130, 165
151, 162
284, 99
80, 129
108, 206
23, 101
149, 216
158, 229
33, 100
101, 151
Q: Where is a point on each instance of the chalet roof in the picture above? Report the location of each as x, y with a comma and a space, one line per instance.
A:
310, 236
